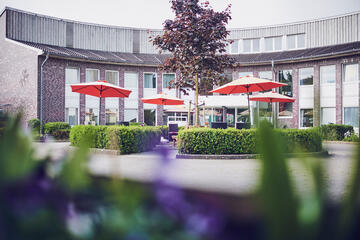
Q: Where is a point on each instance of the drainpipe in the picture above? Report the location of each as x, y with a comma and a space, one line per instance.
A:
41, 92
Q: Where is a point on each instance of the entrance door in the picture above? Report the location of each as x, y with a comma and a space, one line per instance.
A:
149, 117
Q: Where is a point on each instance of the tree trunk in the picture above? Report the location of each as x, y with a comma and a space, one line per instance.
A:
197, 123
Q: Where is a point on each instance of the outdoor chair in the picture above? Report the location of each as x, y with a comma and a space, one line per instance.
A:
242, 125
173, 132
123, 123
222, 125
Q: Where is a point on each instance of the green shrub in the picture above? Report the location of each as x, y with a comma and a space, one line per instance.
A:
334, 132
137, 124
132, 139
352, 138
83, 134
164, 131
62, 134
34, 125
51, 127
234, 141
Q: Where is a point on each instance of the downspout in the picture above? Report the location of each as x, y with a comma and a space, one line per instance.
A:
41, 92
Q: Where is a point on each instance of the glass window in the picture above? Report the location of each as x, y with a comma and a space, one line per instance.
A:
285, 76
278, 43
242, 115
247, 45
235, 46
291, 41
149, 80
244, 74
111, 116
328, 115
328, 74
269, 44
130, 115
72, 116
306, 118
131, 80
256, 45
112, 77
351, 73
301, 41
92, 75
167, 78
72, 75
351, 116
306, 76
92, 116
149, 117
265, 75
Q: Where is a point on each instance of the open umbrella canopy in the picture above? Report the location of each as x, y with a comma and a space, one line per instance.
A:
246, 85
271, 97
163, 99
100, 89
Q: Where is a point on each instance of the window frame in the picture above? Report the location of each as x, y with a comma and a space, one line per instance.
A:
292, 93
162, 80
251, 45
313, 76
118, 76
301, 127
137, 83
296, 41
156, 78
98, 70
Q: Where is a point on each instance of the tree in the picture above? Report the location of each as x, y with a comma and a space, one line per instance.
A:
197, 40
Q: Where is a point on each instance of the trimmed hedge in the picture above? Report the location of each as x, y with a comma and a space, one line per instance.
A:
234, 141
51, 127
132, 139
334, 132
58, 130
34, 125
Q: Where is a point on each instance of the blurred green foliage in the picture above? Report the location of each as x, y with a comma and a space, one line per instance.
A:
334, 132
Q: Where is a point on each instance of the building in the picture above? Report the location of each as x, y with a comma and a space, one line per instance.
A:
41, 55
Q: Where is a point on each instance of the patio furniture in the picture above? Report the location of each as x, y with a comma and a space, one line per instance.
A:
123, 123
243, 125
222, 125
173, 132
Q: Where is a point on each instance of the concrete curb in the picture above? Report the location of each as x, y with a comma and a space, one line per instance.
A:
246, 156
340, 142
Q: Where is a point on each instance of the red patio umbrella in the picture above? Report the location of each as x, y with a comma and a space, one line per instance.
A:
246, 85
271, 97
101, 89
163, 99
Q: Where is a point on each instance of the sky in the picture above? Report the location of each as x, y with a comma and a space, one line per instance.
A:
152, 13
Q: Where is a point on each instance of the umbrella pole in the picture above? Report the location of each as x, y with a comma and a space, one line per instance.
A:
247, 92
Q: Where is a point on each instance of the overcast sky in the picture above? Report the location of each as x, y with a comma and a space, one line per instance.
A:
152, 13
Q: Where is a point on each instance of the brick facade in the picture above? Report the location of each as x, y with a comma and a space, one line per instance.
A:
54, 88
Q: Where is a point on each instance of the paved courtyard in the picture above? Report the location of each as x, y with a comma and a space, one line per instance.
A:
229, 176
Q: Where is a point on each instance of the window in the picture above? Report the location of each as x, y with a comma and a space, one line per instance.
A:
131, 80
351, 73
295, 41
130, 115
285, 109
247, 45
72, 116
351, 116
92, 116
72, 75
265, 75
273, 44
149, 80
149, 117
251, 45
235, 46
327, 74
92, 75
328, 115
244, 74
306, 118
111, 115
112, 77
167, 78
306, 76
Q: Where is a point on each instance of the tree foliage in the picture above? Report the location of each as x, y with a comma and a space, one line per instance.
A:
196, 39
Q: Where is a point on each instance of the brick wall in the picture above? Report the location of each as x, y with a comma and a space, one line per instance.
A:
18, 75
